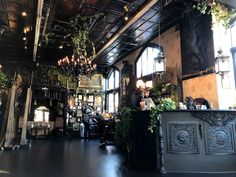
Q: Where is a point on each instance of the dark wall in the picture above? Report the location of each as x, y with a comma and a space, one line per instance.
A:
196, 42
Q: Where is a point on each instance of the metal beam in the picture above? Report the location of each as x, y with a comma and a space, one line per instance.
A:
37, 28
6, 13
129, 23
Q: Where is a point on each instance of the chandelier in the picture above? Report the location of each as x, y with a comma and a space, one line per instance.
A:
77, 65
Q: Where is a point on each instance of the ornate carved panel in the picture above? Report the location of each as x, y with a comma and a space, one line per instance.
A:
182, 138
215, 118
220, 139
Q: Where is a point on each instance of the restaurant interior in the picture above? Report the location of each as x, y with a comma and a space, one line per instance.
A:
155, 79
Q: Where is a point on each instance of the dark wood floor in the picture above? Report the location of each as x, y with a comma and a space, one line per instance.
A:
75, 158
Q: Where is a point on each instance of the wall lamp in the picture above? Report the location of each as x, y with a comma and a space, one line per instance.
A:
143, 85
222, 64
160, 64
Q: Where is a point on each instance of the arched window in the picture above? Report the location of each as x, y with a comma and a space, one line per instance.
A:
145, 64
112, 91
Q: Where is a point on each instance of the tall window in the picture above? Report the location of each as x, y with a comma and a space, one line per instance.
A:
145, 62
112, 91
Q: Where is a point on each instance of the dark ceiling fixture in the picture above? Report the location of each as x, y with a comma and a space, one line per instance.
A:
160, 60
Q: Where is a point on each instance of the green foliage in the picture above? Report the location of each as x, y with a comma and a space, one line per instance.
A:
3, 81
4, 172
59, 108
155, 115
124, 129
222, 13
56, 74
163, 90
75, 33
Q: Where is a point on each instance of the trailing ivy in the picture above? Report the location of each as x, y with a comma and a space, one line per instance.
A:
155, 115
222, 13
75, 33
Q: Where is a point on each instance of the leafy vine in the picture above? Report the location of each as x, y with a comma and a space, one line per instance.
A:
155, 114
222, 13
75, 33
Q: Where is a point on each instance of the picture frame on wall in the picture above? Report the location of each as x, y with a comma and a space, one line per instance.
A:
80, 97
90, 98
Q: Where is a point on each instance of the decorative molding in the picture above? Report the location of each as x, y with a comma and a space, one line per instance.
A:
220, 140
215, 118
182, 138
161, 147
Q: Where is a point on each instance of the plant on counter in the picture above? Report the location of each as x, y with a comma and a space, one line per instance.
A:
124, 129
155, 114
222, 13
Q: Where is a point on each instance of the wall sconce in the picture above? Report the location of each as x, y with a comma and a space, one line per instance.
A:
160, 64
143, 85
140, 84
222, 64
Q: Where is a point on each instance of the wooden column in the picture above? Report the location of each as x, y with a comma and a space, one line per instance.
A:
10, 132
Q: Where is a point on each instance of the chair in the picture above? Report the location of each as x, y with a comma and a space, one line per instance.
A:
201, 101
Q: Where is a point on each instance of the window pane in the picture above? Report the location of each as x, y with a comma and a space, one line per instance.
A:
111, 81
116, 101
104, 84
138, 68
150, 59
145, 63
111, 102
117, 79
233, 36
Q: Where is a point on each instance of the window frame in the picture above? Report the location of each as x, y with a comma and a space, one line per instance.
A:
148, 76
115, 90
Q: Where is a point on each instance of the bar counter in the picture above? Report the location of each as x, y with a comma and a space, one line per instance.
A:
186, 141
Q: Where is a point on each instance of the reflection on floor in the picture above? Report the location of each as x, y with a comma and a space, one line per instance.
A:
75, 158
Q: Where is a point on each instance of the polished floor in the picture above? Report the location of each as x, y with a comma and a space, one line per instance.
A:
74, 158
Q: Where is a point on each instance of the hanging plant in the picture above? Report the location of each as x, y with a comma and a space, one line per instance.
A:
75, 33
222, 13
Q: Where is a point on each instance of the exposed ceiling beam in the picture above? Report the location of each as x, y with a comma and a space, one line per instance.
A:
128, 24
37, 28
6, 13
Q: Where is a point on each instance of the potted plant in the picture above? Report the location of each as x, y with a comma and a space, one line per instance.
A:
124, 130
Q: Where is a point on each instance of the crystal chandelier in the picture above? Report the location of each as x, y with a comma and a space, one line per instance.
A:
77, 65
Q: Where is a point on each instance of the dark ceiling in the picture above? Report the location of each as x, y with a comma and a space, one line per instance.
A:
114, 38
12, 25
